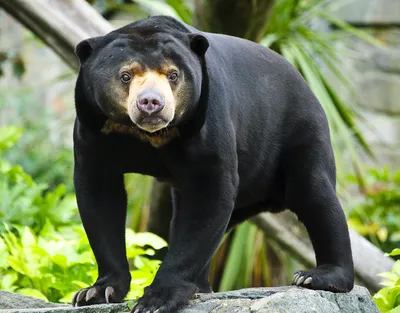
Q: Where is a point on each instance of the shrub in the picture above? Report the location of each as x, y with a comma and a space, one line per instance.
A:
376, 212
25, 202
44, 251
53, 265
388, 298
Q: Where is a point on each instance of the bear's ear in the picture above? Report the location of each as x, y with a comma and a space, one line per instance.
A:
198, 43
85, 48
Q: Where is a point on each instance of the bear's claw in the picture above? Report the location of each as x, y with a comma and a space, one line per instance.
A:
92, 295
325, 277
161, 298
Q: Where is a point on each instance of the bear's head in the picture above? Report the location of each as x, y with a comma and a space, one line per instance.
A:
145, 79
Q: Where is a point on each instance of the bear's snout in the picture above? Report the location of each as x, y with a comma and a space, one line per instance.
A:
150, 102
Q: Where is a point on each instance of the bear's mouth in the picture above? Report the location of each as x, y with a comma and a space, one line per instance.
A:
151, 124
157, 138
151, 121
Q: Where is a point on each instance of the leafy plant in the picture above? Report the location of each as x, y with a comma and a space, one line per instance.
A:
23, 200
44, 140
291, 32
44, 251
375, 213
15, 60
138, 188
54, 264
388, 298
141, 8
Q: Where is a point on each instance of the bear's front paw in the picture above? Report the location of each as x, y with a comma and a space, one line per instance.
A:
105, 290
325, 277
167, 296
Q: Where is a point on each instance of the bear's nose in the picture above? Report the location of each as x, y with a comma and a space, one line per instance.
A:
150, 102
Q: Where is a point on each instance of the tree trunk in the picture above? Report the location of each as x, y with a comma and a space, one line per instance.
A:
242, 18
292, 236
62, 24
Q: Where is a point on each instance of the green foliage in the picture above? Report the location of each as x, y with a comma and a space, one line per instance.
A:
155, 7
44, 140
183, 11
246, 258
239, 265
375, 214
43, 253
141, 8
138, 189
46, 265
388, 298
291, 33
9, 136
54, 264
15, 60
25, 202
144, 268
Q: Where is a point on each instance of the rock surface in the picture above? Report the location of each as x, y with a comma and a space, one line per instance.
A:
370, 12
254, 300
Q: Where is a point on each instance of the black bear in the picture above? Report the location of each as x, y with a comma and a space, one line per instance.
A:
233, 128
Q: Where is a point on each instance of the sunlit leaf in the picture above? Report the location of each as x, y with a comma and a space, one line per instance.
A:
145, 238
180, 7
27, 237
395, 252
156, 7
32, 293
18, 64
235, 258
68, 297
9, 135
8, 280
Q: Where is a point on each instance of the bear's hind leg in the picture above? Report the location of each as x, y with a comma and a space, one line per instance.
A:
310, 193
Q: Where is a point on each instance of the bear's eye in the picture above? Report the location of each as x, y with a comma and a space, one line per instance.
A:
173, 76
125, 77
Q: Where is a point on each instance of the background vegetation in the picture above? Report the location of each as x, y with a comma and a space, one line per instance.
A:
40, 221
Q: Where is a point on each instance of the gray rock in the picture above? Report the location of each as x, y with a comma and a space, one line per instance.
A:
381, 92
9, 300
252, 300
370, 12
388, 60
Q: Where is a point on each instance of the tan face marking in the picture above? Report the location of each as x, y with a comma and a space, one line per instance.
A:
155, 81
134, 69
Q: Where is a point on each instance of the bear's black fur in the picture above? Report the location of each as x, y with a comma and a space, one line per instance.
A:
234, 129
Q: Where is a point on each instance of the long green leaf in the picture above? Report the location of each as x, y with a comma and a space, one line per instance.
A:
348, 28
156, 7
347, 117
249, 256
309, 69
180, 7
234, 261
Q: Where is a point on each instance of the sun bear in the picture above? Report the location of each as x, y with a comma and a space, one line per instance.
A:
233, 128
